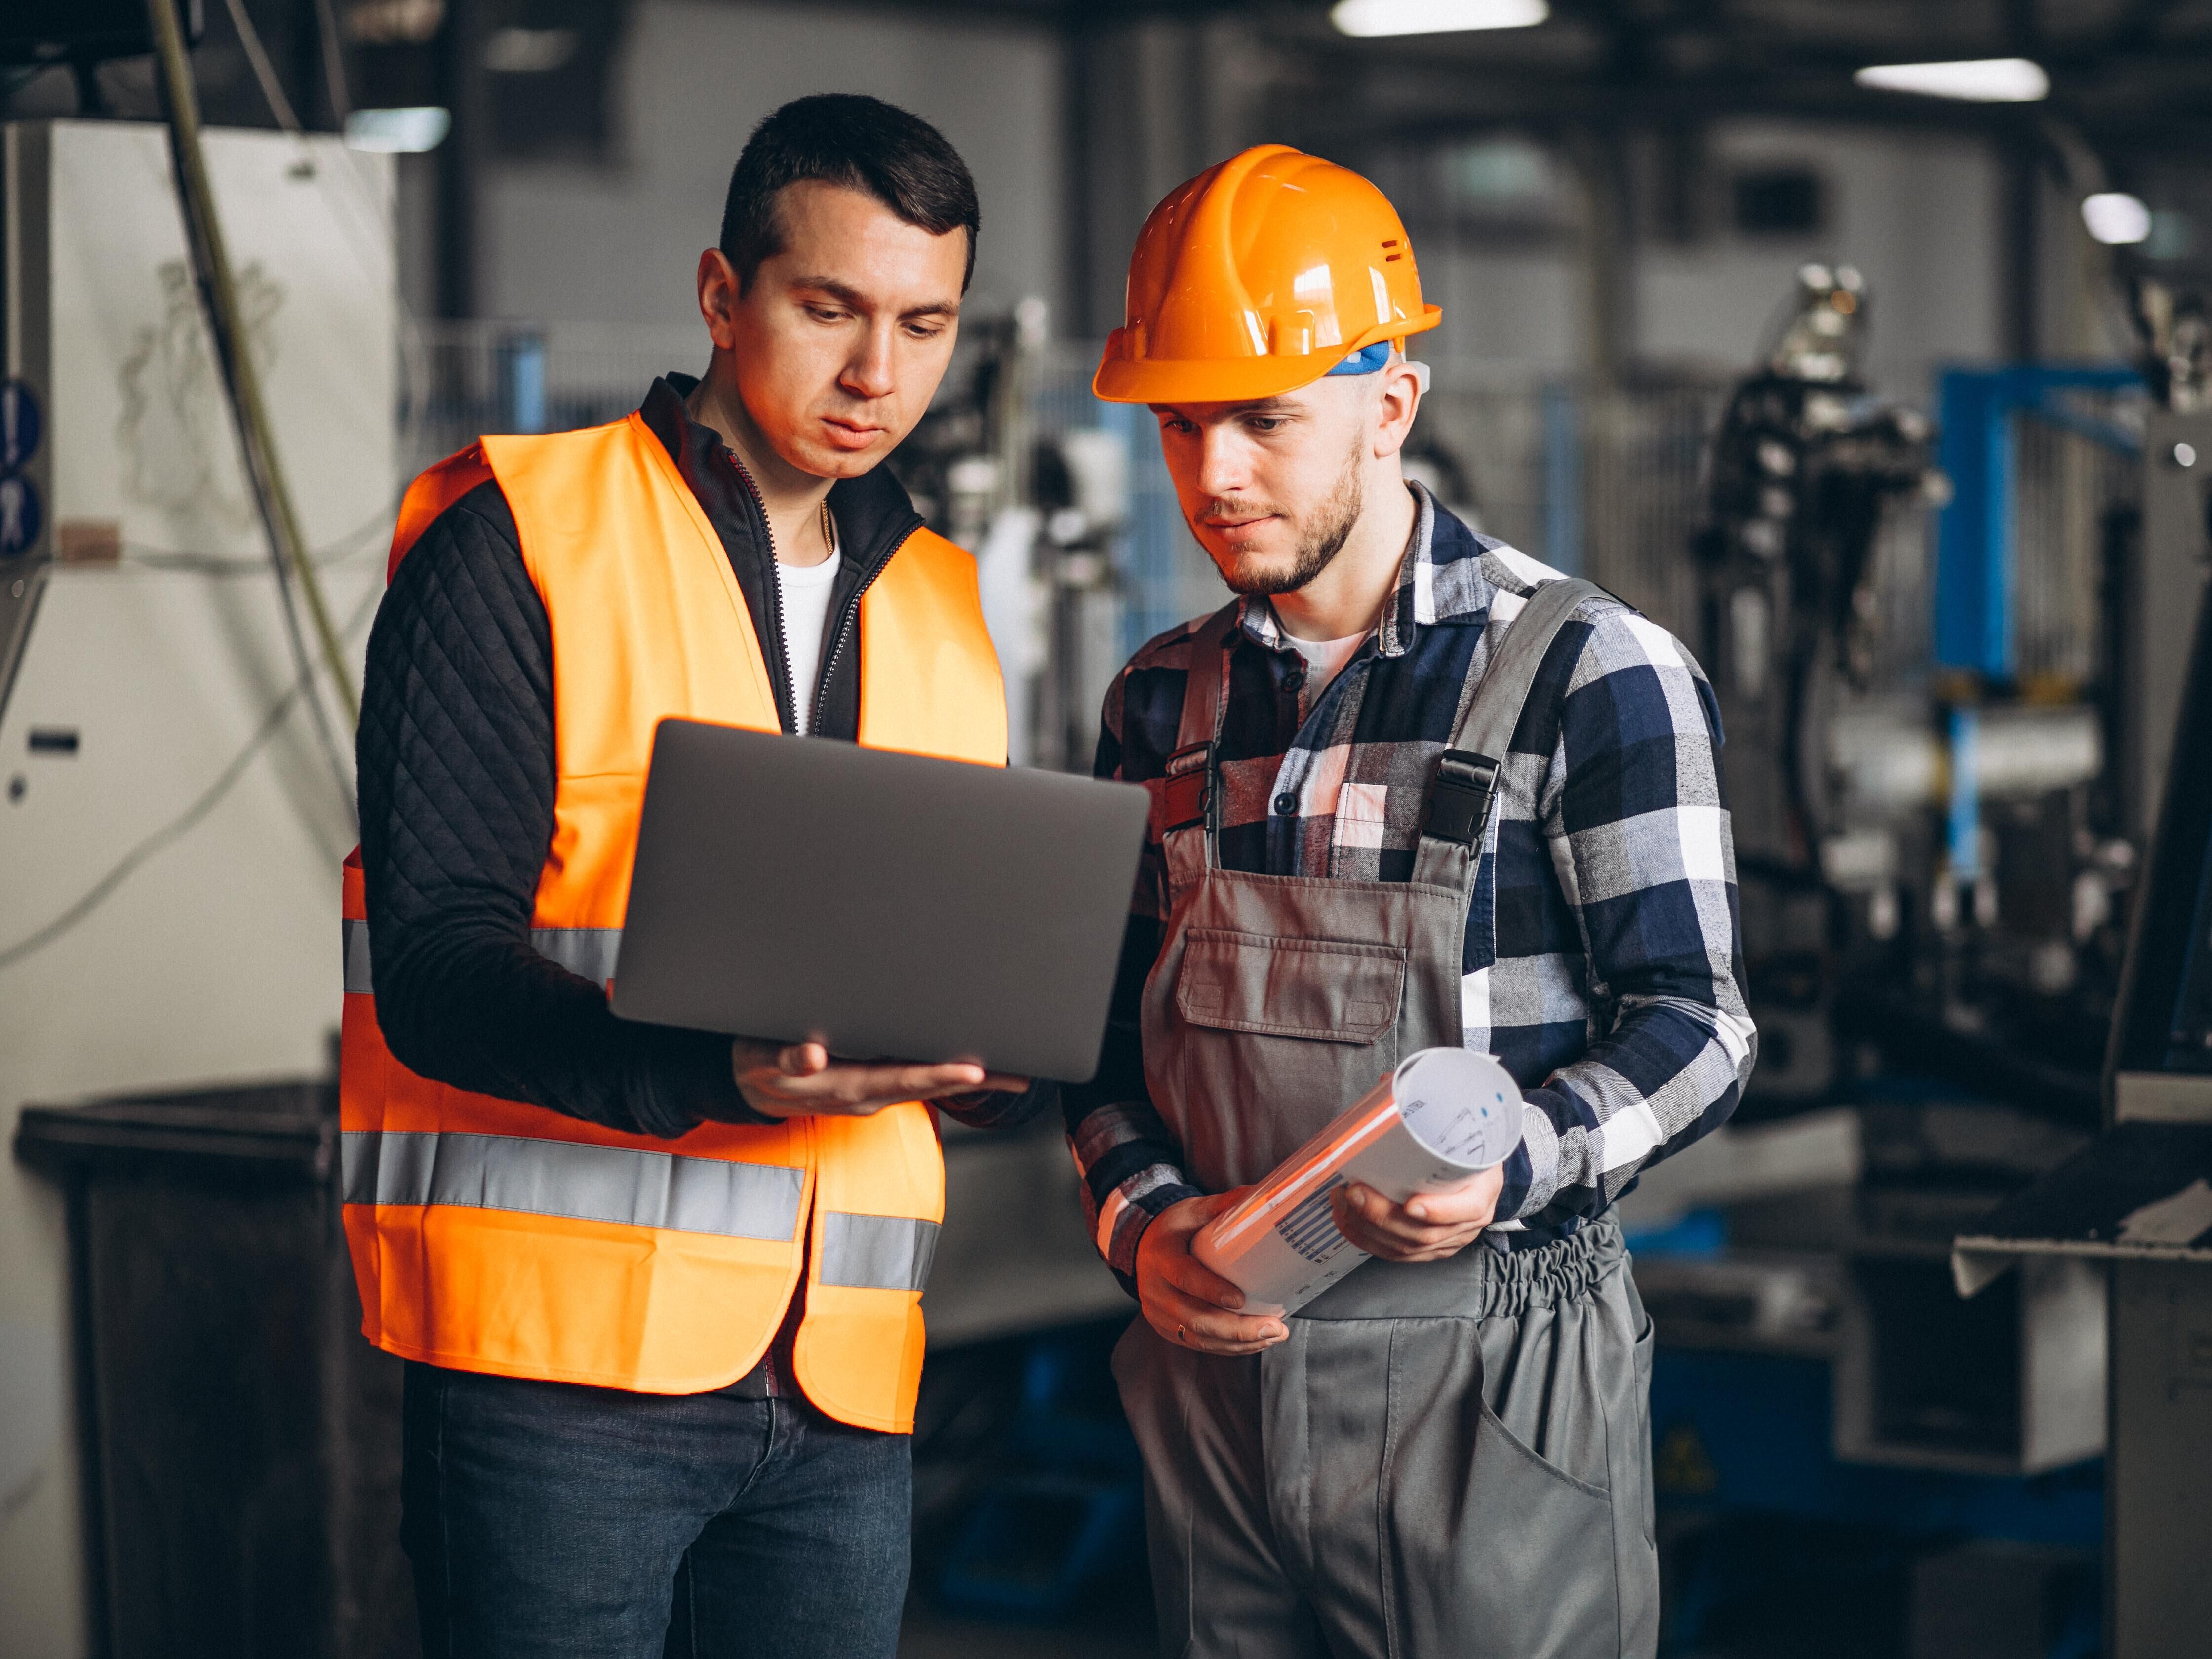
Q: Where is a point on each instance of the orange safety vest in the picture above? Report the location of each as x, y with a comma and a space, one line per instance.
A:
491, 1236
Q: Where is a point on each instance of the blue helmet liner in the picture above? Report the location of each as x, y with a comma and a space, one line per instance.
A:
1369, 360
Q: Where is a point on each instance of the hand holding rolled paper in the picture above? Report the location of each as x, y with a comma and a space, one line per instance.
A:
1443, 1115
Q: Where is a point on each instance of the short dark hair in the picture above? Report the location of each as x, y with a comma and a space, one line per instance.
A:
862, 143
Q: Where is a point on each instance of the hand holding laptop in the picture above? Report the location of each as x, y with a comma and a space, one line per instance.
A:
829, 905
801, 1080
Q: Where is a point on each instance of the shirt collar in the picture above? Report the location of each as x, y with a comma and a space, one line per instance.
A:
874, 514
1443, 577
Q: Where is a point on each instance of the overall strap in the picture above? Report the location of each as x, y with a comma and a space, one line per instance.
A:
1191, 810
1458, 815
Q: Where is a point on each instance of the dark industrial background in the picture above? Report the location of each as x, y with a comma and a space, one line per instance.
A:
1896, 407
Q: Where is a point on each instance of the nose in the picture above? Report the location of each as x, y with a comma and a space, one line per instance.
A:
1221, 468
869, 372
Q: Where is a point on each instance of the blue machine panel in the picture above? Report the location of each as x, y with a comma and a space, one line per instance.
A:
1977, 531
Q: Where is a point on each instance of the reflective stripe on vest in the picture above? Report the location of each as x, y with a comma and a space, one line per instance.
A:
589, 952
876, 1252
358, 981
662, 1190
573, 1179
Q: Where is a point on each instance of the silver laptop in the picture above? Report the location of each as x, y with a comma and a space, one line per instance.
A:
882, 904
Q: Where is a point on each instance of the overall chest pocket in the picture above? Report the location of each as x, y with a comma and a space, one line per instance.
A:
1332, 990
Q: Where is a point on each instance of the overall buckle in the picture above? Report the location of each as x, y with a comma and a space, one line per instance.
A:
1459, 800
1188, 799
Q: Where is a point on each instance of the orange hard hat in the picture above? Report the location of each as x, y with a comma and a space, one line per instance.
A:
1259, 275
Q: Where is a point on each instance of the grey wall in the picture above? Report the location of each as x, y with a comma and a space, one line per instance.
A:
1917, 213
619, 242
616, 242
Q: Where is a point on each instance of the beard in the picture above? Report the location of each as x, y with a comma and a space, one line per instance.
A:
1321, 536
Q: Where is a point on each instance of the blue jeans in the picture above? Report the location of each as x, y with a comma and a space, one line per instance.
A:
545, 1520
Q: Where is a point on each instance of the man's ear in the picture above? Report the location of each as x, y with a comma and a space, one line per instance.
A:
719, 297
1397, 400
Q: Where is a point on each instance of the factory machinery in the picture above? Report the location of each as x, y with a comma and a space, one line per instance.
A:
1931, 853
1944, 761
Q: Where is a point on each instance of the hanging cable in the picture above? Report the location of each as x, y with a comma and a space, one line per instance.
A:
327, 25
211, 265
256, 57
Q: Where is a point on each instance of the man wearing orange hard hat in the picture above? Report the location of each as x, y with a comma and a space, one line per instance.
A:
1410, 789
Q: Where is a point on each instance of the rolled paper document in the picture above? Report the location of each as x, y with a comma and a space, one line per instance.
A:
1444, 1114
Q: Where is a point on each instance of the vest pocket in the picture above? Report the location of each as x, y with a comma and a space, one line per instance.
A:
1329, 989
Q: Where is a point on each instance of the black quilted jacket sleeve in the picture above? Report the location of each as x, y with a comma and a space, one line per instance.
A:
456, 782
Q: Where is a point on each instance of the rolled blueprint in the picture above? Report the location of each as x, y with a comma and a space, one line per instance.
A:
1444, 1114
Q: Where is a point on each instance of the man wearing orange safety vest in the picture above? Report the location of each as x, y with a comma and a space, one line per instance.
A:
1410, 789
658, 1291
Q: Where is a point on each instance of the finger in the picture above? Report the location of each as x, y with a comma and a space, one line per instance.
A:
835, 1103
1202, 1310
1382, 1239
1205, 1326
1182, 1336
1380, 1228
1218, 1349
747, 1055
1358, 1212
1361, 1237
1206, 1288
998, 1082
1438, 1212
1193, 1213
916, 1082
1410, 1244
1246, 1336
873, 1087
1453, 1207
926, 1082
803, 1059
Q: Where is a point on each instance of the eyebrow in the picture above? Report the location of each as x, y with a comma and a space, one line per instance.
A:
847, 295
1255, 406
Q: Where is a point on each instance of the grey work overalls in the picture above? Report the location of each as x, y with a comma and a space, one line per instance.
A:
1445, 1458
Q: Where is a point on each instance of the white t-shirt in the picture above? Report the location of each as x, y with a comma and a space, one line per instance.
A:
1325, 658
806, 590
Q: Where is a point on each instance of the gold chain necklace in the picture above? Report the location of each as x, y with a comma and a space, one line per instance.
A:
829, 529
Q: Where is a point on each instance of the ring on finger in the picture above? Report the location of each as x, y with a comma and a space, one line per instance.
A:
1181, 1337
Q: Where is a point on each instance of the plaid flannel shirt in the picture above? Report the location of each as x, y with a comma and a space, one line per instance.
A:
1601, 957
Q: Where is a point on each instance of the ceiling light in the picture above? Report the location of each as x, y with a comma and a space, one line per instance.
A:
2115, 218
528, 51
404, 131
1977, 80
1370, 17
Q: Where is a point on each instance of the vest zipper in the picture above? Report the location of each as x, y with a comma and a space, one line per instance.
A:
788, 690
836, 651
852, 608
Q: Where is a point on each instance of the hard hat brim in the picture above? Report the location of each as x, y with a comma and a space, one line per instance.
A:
1234, 379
